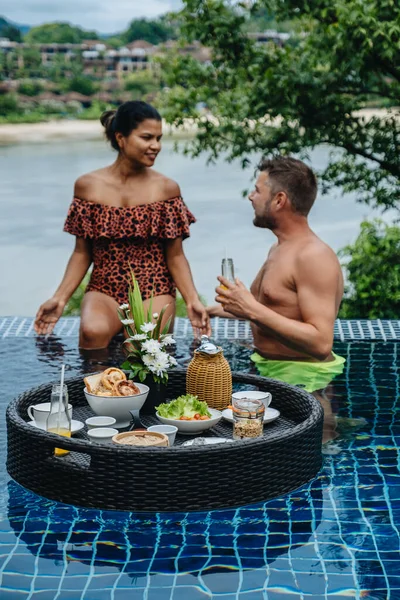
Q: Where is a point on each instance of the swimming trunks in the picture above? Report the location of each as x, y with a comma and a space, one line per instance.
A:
311, 376
130, 237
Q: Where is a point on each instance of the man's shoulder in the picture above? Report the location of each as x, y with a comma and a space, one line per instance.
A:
316, 253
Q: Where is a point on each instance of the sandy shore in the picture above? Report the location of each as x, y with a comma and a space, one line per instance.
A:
67, 129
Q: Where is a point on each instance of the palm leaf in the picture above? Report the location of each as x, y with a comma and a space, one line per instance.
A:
156, 331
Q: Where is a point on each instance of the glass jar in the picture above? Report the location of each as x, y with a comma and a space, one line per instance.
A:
248, 418
59, 419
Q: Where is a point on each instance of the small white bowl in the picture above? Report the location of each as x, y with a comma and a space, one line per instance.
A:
168, 430
94, 422
265, 397
102, 434
193, 427
118, 406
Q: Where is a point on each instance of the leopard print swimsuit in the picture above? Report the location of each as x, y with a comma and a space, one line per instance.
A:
131, 237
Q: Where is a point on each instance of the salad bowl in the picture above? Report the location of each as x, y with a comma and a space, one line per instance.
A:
193, 427
189, 414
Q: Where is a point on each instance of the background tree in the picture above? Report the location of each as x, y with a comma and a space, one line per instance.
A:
58, 33
373, 267
9, 31
344, 55
153, 31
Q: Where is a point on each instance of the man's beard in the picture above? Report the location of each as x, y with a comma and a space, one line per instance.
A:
264, 221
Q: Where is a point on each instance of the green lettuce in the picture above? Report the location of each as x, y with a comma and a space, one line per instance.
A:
184, 406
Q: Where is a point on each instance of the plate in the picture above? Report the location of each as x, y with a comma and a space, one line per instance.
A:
75, 426
207, 441
270, 415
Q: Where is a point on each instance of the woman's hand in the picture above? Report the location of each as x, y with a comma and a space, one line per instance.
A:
199, 318
48, 315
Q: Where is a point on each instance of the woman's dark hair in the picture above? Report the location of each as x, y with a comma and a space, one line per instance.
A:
127, 118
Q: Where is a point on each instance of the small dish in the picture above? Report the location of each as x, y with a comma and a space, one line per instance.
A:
102, 434
75, 426
168, 430
94, 422
270, 415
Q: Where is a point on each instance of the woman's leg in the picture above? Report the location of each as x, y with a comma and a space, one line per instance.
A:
158, 304
99, 321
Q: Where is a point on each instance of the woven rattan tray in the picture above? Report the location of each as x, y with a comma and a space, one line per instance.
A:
169, 479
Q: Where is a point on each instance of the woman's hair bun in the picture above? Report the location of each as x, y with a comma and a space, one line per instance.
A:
107, 119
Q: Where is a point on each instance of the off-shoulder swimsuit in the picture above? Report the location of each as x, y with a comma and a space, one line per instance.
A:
129, 237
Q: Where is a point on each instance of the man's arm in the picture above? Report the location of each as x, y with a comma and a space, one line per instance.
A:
317, 278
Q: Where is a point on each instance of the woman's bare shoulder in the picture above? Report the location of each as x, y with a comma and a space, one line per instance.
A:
168, 188
86, 185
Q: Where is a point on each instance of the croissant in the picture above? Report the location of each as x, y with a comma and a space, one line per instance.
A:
112, 376
126, 388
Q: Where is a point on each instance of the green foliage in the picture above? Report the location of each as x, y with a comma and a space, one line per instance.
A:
153, 31
373, 273
30, 88
94, 111
73, 307
141, 83
9, 104
58, 33
9, 31
82, 84
291, 99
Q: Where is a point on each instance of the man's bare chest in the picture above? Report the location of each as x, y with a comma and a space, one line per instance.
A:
275, 284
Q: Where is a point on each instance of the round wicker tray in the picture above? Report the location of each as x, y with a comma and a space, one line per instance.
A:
168, 479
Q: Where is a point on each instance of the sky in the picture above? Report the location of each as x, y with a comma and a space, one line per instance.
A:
104, 16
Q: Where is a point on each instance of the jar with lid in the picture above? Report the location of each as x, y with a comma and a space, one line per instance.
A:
248, 418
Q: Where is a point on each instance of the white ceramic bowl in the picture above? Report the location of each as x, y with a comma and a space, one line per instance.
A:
118, 406
193, 427
102, 434
94, 422
265, 397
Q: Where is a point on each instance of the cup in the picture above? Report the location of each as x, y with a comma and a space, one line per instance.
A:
168, 430
39, 413
95, 422
102, 434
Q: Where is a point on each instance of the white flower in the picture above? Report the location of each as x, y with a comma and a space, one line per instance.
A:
137, 337
160, 364
151, 347
172, 361
124, 306
148, 360
147, 327
155, 316
167, 340
127, 321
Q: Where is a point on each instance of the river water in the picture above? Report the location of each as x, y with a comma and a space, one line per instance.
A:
36, 189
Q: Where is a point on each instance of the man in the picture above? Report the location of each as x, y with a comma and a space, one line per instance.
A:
294, 300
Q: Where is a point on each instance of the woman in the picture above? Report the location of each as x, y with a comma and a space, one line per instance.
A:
126, 216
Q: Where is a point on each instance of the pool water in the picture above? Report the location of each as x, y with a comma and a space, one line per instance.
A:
336, 537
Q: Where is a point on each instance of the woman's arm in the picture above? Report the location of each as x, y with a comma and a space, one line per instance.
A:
179, 268
51, 310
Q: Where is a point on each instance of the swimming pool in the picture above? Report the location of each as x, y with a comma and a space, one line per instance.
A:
338, 536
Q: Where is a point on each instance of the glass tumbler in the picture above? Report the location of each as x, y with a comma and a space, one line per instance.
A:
228, 270
248, 418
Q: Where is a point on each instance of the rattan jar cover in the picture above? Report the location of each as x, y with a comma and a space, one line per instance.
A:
209, 375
